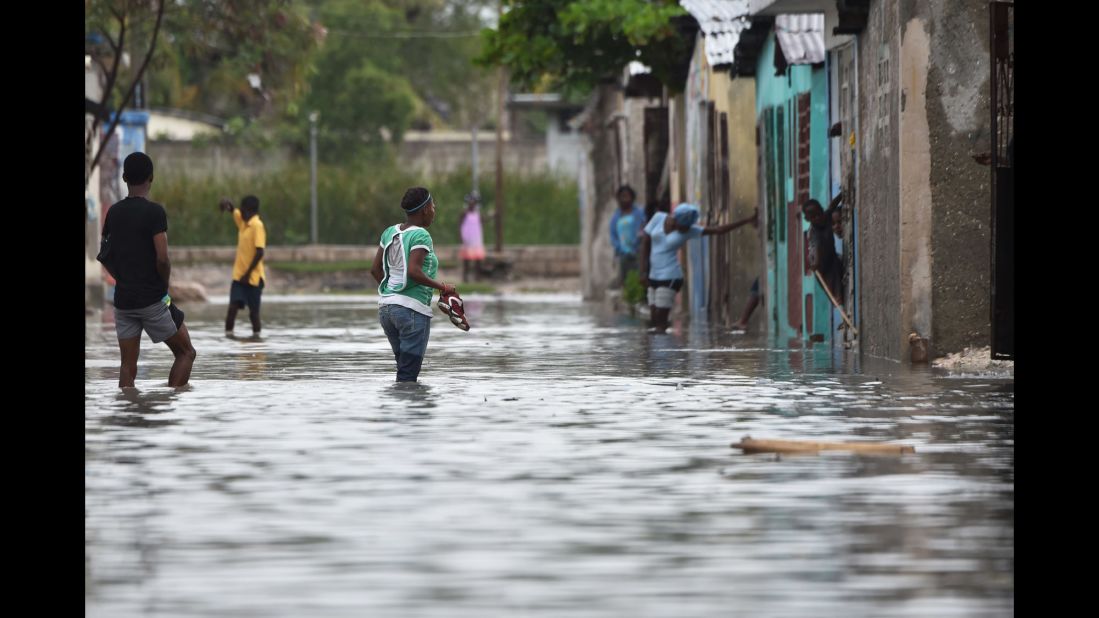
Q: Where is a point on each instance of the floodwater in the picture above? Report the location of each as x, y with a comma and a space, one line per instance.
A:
554, 461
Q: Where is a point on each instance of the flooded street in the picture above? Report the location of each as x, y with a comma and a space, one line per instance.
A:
556, 460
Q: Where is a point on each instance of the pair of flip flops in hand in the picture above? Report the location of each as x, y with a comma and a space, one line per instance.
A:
451, 304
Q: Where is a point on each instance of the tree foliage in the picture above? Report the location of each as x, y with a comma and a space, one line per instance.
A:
225, 57
578, 43
373, 69
387, 66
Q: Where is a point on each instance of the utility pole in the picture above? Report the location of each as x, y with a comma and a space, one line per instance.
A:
474, 146
313, 177
501, 92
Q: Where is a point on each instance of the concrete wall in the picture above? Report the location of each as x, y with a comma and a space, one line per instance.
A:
923, 201
528, 261
434, 157
166, 127
601, 179
699, 256
915, 181
634, 108
207, 161
878, 145
745, 244
429, 157
93, 278
677, 137
565, 151
957, 108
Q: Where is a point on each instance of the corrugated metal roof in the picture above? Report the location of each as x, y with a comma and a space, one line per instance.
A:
535, 98
721, 22
801, 37
789, 7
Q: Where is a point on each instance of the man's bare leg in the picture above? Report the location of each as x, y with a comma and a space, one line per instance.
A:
180, 344
231, 317
742, 323
131, 349
253, 316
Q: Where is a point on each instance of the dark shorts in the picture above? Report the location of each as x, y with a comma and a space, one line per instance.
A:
675, 284
755, 287
177, 315
241, 295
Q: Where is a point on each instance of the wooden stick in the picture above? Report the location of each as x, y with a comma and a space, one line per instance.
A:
834, 303
749, 445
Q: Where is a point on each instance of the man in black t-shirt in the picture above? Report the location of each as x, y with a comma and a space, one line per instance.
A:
822, 248
136, 232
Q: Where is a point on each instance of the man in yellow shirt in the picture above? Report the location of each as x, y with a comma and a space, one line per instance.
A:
247, 286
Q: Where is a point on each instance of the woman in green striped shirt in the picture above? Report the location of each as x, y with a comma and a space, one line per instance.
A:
405, 267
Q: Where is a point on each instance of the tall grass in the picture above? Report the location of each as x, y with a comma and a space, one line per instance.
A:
357, 201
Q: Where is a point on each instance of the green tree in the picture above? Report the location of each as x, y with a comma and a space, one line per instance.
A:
114, 32
387, 66
358, 90
246, 58
372, 68
579, 43
235, 58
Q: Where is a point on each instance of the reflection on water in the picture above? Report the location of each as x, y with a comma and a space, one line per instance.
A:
552, 461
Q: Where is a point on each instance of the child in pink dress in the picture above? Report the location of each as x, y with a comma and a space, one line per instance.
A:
473, 243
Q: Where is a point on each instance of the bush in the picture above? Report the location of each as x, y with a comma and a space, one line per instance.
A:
357, 200
632, 290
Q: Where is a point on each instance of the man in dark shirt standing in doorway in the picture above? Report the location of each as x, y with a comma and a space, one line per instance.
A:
136, 232
822, 248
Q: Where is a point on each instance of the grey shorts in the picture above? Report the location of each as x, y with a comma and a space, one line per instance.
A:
662, 292
155, 319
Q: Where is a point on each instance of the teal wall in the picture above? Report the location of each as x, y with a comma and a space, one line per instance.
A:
776, 106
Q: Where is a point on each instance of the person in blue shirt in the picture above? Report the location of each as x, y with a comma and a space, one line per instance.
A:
626, 224
660, 242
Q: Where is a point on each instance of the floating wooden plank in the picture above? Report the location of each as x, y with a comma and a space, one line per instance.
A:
750, 445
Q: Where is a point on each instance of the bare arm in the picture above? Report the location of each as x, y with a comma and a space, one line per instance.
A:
255, 260
643, 253
813, 256
416, 272
376, 268
107, 235
163, 265
728, 227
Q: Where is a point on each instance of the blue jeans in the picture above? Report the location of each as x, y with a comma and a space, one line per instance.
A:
407, 331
